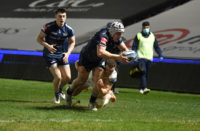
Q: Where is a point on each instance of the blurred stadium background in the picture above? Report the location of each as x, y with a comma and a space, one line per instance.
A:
174, 22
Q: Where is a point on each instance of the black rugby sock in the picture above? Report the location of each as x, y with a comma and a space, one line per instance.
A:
69, 91
93, 98
60, 89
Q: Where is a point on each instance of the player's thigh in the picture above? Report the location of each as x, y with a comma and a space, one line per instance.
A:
97, 74
82, 74
55, 71
65, 72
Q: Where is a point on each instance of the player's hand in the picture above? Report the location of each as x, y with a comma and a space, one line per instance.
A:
66, 56
51, 49
113, 99
123, 59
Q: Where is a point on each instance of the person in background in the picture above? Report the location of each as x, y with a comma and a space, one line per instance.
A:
144, 44
58, 40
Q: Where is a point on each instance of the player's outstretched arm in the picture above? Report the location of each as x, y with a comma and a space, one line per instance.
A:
113, 97
101, 88
123, 47
102, 53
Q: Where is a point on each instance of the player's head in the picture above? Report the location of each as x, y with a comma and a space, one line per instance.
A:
116, 30
110, 66
146, 27
61, 15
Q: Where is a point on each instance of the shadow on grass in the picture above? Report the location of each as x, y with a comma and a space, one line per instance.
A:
75, 107
128, 92
25, 101
63, 107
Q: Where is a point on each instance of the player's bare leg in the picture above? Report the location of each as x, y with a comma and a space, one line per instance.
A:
66, 77
55, 71
79, 90
78, 82
81, 79
97, 73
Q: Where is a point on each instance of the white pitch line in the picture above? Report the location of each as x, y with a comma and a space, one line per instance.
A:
99, 120
55, 120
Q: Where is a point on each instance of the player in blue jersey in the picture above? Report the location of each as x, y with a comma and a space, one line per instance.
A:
91, 55
58, 40
115, 50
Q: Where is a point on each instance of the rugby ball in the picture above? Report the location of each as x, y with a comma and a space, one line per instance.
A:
131, 54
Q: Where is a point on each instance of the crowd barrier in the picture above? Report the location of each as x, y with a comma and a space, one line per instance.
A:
166, 76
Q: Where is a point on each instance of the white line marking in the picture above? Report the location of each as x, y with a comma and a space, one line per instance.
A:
99, 120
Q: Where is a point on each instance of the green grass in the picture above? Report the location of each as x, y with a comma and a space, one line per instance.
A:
28, 106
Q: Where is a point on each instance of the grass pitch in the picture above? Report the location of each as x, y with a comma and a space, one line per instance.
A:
28, 106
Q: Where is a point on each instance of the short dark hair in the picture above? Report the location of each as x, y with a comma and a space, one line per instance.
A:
60, 10
109, 24
146, 23
111, 63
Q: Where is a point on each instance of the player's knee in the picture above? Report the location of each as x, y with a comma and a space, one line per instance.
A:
66, 79
57, 78
82, 81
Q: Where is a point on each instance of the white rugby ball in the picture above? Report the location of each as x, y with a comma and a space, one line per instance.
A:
131, 54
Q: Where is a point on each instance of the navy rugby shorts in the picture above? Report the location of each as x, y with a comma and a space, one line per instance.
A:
52, 59
87, 63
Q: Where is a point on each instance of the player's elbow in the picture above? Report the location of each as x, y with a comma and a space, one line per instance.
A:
72, 41
38, 39
100, 54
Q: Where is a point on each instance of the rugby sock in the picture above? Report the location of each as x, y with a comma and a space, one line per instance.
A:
56, 93
93, 98
69, 91
114, 86
60, 89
